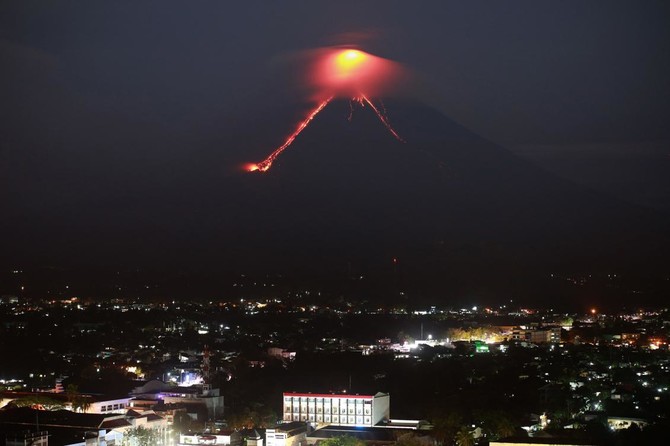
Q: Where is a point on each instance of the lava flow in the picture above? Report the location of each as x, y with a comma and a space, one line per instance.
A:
267, 162
342, 73
383, 118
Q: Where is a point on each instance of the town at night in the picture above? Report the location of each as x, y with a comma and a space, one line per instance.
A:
334, 223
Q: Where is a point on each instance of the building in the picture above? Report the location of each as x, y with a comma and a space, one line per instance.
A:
156, 393
254, 438
210, 398
337, 409
617, 423
107, 405
371, 435
281, 353
94, 403
27, 438
71, 428
538, 335
223, 437
289, 434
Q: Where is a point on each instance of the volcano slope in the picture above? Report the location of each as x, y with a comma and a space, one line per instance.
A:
446, 197
458, 212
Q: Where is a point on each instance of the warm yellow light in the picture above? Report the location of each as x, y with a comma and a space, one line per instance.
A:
349, 59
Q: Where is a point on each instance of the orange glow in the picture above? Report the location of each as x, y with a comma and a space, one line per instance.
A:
265, 165
593, 311
349, 73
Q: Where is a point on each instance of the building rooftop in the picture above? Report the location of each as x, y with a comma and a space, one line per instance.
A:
115, 423
64, 418
376, 434
331, 395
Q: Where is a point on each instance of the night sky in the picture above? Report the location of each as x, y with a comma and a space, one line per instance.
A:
123, 124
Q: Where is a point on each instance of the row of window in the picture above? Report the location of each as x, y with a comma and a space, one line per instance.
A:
319, 409
111, 407
334, 401
330, 419
328, 404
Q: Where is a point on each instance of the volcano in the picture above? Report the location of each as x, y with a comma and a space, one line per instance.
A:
444, 209
445, 196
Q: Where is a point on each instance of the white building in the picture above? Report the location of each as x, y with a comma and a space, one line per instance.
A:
337, 409
109, 406
289, 434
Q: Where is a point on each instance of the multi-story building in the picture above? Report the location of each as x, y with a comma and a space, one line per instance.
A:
538, 335
337, 409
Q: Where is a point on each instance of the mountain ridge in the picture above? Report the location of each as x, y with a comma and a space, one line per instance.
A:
450, 205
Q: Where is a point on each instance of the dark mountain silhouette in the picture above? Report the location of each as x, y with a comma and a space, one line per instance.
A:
455, 209
350, 188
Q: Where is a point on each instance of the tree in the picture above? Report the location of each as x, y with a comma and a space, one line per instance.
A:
84, 403
464, 437
404, 337
39, 402
140, 436
252, 415
71, 392
505, 427
497, 424
79, 402
445, 426
344, 440
412, 440
567, 322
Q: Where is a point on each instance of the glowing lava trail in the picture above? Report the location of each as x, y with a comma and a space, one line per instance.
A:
343, 73
381, 117
267, 162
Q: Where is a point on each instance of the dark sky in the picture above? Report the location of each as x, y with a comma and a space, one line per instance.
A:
580, 88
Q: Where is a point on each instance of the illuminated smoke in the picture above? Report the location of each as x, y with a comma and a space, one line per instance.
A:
349, 73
